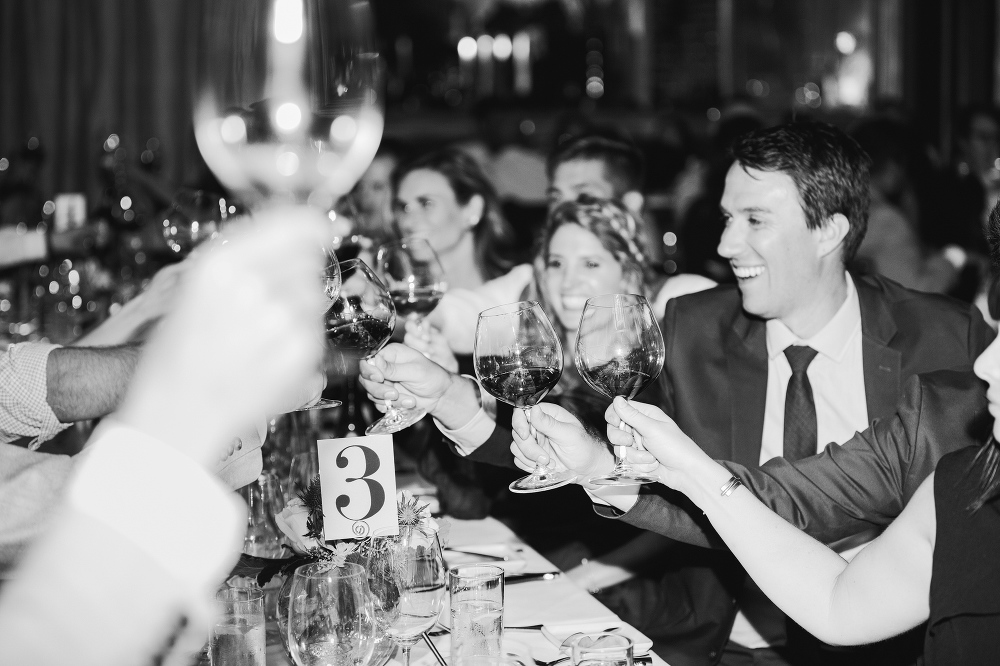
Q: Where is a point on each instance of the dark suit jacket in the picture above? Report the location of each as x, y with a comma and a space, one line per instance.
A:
851, 488
714, 385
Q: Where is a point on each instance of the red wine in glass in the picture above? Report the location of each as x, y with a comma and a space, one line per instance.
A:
518, 359
418, 301
361, 320
521, 387
416, 283
619, 352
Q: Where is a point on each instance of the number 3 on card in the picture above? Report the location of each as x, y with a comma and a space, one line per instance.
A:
359, 485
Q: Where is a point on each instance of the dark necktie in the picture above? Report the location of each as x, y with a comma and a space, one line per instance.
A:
800, 408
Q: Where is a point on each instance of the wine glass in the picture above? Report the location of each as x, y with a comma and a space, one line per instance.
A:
518, 359
331, 618
408, 573
289, 98
619, 352
416, 283
361, 319
196, 216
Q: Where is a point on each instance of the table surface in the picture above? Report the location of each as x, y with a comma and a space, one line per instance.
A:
552, 602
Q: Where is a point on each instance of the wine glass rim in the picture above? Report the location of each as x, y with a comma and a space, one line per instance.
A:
321, 569
508, 309
615, 300
476, 571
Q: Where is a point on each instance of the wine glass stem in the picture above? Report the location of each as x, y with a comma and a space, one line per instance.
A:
539, 470
406, 654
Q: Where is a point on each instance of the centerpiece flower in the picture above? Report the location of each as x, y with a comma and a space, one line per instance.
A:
301, 521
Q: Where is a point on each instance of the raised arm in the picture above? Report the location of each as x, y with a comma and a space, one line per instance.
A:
88, 382
849, 490
881, 593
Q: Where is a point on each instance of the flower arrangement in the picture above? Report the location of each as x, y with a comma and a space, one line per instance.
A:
302, 523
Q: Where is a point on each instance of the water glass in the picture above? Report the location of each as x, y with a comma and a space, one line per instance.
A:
238, 635
476, 611
603, 649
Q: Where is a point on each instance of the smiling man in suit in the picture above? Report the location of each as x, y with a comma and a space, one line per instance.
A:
798, 354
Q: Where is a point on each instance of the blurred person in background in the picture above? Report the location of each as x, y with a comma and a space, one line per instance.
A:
892, 245
240, 341
445, 197
698, 192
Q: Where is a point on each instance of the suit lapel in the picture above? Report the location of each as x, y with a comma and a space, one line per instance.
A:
882, 364
746, 360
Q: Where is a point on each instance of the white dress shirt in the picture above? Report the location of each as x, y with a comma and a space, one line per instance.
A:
837, 378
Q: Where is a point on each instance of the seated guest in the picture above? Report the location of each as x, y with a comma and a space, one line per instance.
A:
140, 505
445, 197
795, 203
590, 165
936, 562
587, 248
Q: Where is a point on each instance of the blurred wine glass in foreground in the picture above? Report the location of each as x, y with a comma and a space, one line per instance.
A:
289, 101
619, 352
519, 359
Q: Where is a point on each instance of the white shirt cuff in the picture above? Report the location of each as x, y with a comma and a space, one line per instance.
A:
474, 434
163, 502
620, 497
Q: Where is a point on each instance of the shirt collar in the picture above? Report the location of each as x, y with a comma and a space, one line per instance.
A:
832, 340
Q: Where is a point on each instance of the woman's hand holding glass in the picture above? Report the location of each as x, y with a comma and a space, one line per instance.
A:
554, 434
678, 457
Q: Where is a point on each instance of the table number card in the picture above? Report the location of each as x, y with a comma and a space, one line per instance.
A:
358, 484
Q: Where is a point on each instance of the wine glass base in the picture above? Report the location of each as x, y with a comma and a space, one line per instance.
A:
323, 403
396, 421
534, 483
628, 478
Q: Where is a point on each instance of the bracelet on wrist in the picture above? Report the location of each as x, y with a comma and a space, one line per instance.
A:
729, 486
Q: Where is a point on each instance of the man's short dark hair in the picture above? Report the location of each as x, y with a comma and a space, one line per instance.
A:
624, 166
829, 168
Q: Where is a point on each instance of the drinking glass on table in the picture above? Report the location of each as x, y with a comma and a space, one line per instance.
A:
602, 649
330, 616
416, 283
518, 359
238, 635
409, 583
619, 352
476, 611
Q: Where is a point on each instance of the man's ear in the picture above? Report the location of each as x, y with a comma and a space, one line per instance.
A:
634, 201
474, 210
831, 234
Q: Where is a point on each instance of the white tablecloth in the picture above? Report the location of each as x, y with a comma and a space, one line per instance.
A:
556, 602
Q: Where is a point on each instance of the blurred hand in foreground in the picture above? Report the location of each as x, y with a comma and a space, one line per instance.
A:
242, 337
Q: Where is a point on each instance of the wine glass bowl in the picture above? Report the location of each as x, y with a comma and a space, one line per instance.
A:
416, 282
619, 352
289, 99
360, 320
409, 575
518, 359
331, 618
